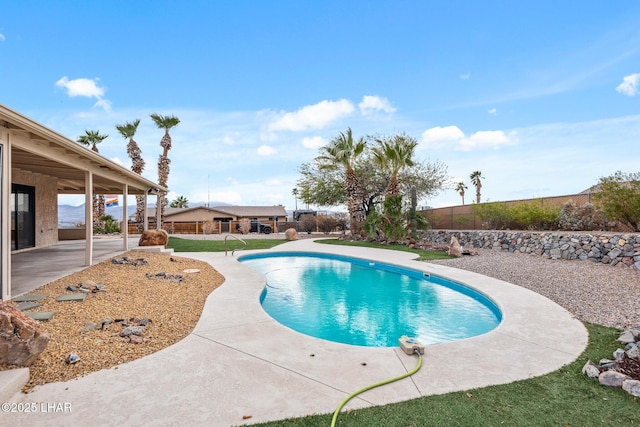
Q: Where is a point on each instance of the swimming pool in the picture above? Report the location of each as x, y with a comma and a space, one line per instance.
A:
361, 302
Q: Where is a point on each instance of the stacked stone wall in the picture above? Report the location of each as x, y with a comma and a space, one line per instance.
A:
622, 250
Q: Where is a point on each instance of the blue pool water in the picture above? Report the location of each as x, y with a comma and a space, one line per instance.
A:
359, 302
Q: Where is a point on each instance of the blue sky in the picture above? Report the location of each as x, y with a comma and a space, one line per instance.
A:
543, 97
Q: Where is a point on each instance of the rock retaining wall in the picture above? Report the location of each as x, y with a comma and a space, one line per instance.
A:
622, 250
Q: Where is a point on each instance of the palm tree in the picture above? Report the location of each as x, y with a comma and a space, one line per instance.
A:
476, 178
128, 130
295, 193
166, 123
460, 188
93, 138
393, 156
180, 202
343, 151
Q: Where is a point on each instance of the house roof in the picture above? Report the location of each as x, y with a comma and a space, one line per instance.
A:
40, 150
238, 211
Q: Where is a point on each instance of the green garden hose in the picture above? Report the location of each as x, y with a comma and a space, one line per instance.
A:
369, 387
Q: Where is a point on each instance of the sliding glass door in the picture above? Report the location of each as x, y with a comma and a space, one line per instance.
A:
23, 217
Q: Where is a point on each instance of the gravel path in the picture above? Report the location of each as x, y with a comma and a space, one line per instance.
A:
593, 292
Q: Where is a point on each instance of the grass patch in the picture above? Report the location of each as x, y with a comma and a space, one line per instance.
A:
563, 398
186, 245
421, 253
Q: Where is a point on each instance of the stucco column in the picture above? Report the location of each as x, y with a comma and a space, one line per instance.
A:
88, 217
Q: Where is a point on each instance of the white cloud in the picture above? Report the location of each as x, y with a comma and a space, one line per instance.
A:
440, 136
629, 85
313, 142
465, 76
2, 37
273, 182
266, 150
87, 88
372, 104
487, 139
493, 111
314, 116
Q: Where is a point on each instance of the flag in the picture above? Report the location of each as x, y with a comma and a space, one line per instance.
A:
111, 200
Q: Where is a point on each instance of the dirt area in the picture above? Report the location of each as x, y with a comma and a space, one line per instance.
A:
133, 293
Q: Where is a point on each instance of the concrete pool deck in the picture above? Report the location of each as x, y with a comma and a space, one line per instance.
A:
241, 367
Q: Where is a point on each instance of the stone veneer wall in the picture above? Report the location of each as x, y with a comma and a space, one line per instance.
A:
606, 248
46, 188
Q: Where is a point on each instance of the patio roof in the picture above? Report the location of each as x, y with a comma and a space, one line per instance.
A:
40, 150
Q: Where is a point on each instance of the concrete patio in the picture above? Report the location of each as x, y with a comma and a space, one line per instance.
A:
240, 367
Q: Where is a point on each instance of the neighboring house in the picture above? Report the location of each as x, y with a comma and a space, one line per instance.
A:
36, 165
223, 216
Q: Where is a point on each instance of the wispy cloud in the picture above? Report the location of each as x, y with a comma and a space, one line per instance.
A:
266, 150
315, 116
373, 104
465, 76
313, 142
493, 111
452, 135
88, 88
629, 85
2, 38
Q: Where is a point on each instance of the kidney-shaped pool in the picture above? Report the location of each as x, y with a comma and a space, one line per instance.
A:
367, 303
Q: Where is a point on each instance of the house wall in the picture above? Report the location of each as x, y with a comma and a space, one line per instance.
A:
46, 188
195, 215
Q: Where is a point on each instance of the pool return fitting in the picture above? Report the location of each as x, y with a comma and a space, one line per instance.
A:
409, 346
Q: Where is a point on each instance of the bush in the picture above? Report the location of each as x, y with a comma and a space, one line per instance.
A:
308, 223
326, 223
106, 224
520, 216
619, 198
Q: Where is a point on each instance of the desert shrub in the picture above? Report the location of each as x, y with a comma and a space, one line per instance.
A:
619, 198
244, 225
326, 223
496, 214
372, 225
533, 216
209, 227
106, 224
580, 218
308, 223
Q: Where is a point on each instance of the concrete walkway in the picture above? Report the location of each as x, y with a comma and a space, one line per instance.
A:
240, 367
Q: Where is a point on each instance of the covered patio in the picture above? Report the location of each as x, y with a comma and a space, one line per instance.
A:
38, 164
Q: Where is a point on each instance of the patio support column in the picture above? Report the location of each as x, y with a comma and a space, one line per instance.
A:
125, 218
158, 212
5, 193
88, 217
145, 222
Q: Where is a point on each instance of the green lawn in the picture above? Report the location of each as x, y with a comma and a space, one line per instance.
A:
422, 254
186, 245
563, 398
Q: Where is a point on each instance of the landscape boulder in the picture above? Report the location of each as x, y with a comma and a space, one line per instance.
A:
154, 238
291, 234
21, 338
454, 248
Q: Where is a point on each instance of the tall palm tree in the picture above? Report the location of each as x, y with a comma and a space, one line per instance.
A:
166, 123
476, 178
394, 155
128, 130
343, 152
180, 202
460, 188
295, 193
92, 138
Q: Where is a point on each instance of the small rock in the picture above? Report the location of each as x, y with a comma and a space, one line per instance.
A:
135, 339
72, 288
144, 322
132, 330
612, 378
591, 369
72, 358
626, 337
632, 387
618, 354
90, 326
633, 352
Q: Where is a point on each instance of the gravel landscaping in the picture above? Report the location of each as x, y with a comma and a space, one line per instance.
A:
151, 295
593, 292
